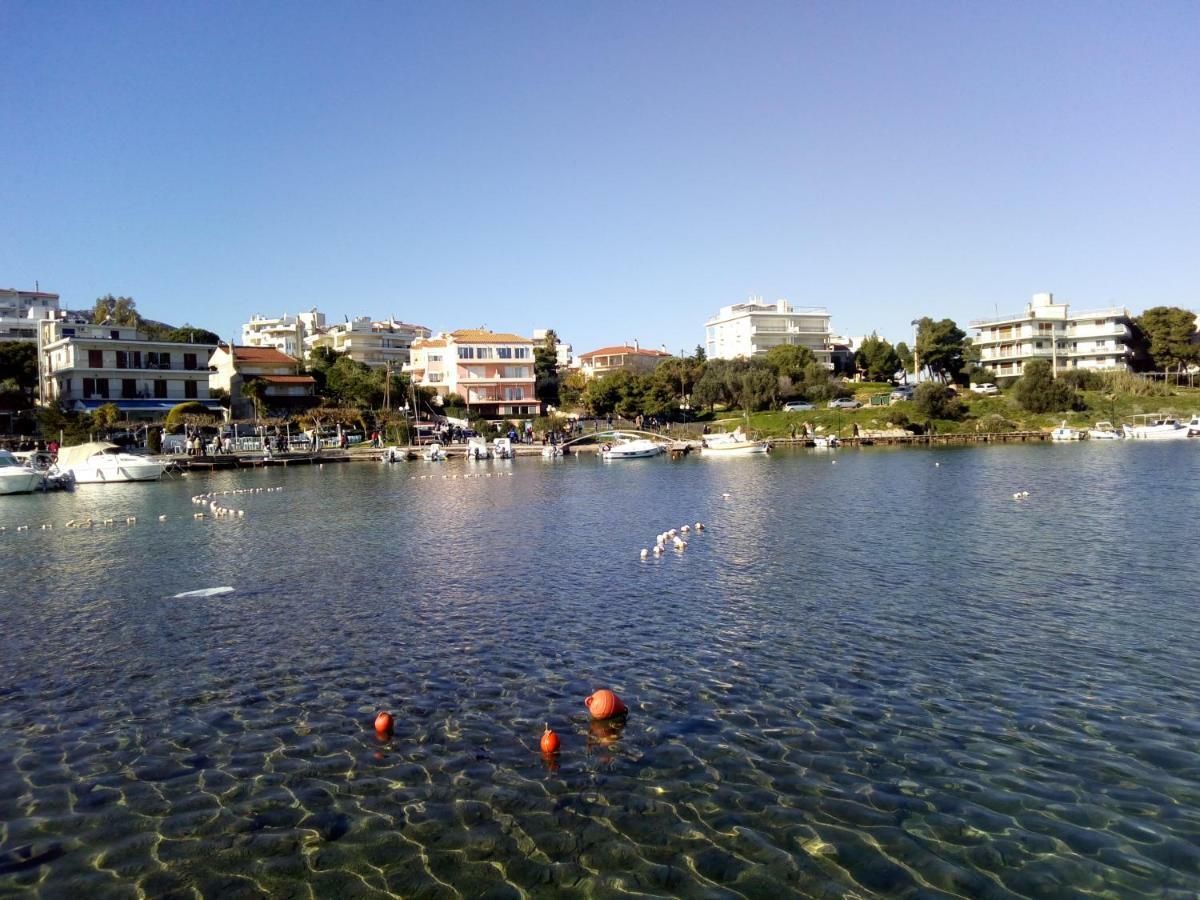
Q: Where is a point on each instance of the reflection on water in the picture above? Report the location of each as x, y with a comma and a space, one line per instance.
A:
880, 676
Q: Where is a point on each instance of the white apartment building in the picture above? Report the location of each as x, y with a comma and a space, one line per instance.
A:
20, 312
492, 372
373, 343
285, 333
754, 327
1091, 339
564, 353
83, 366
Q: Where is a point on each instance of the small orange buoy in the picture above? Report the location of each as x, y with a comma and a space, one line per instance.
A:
384, 723
549, 741
604, 704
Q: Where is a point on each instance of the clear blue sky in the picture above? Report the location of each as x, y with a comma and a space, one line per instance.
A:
613, 170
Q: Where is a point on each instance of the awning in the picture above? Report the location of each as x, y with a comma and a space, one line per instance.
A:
159, 405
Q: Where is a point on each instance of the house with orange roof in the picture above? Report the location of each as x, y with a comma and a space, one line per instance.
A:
630, 357
491, 371
287, 389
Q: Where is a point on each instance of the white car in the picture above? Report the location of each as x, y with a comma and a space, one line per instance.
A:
987, 388
797, 406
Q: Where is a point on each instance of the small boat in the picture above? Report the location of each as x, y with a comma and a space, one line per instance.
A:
17, 477
1156, 428
630, 448
1193, 426
502, 448
98, 462
552, 451
477, 448
394, 454
1063, 433
733, 443
434, 452
1104, 431
827, 443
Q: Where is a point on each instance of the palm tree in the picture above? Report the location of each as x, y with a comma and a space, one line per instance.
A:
255, 389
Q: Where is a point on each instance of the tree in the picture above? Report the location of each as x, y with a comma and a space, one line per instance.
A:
700, 355
758, 387
190, 334
106, 416
1169, 333
906, 357
789, 360
602, 394
255, 389
18, 362
940, 346
179, 414
115, 310
817, 384
677, 374
570, 389
352, 384
877, 358
1038, 391
545, 369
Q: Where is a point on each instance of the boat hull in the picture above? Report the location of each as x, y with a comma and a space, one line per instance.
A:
748, 449
118, 472
1155, 433
20, 482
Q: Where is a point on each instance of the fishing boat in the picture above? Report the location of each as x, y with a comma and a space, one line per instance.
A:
99, 462
17, 477
630, 448
1193, 426
1157, 427
732, 443
1063, 433
1104, 431
477, 448
502, 448
434, 452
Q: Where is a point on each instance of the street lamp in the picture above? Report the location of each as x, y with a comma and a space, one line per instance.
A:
916, 324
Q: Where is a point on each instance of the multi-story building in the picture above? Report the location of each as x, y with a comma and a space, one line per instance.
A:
630, 357
752, 328
83, 366
372, 343
285, 389
1092, 339
492, 372
284, 333
20, 312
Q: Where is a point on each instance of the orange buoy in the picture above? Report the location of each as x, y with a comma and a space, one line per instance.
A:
604, 704
549, 741
384, 723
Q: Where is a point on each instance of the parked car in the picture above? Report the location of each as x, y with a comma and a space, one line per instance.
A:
844, 403
987, 388
797, 406
904, 392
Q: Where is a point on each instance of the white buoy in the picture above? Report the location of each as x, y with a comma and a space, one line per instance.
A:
1024, 493
686, 528
132, 520
699, 526
1017, 495
834, 461
22, 528
197, 515
241, 513
936, 465
726, 496
162, 518
645, 553
658, 551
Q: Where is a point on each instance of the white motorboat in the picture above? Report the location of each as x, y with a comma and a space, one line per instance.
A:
477, 448
732, 443
1193, 426
1063, 433
552, 451
98, 462
16, 477
630, 448
827, 443
434, 452
1156, 428
1104, 431
502, 448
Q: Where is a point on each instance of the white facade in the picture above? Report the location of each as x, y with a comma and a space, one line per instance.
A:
1092, 339
372, 343
20, 312
83, 366
284, 333
752, 328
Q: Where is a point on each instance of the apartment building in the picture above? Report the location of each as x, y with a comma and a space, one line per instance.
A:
1089, 339
492, 372
20, 312
285, 389
376, 344
628, 357
749, 329
83, 366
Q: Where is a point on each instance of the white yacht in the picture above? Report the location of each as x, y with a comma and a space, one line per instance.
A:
477, 448
1156, 428
434, 452
98, 462
16, 477
732, 443
630, 448
1104, 431
1193, 426
502, 448
1063, 433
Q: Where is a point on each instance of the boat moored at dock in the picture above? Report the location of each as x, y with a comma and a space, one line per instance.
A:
98, 462
1157, 427
733, 443
17, 477
630, 448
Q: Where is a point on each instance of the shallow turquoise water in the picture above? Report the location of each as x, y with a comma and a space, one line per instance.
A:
880, 676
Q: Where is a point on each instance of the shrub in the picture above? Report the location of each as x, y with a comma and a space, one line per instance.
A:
934, 401
1082, 380
1039, 391
994, 423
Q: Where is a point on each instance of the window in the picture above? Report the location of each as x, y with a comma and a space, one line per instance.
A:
89, 388
135, 359
68, 332
122, 359
434, 357
483, 352
102, 387
189, 390
128, 388
466, 352
520, 353
115, 335
189, 361
435, 377
160, 389
516, 372
504, 352
95, 359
